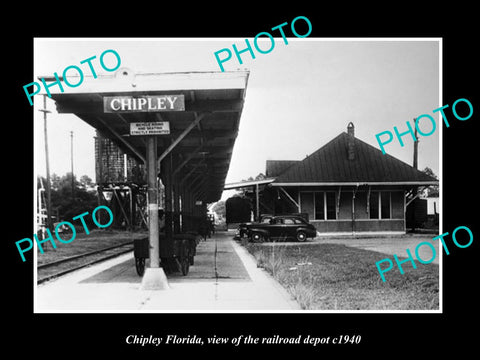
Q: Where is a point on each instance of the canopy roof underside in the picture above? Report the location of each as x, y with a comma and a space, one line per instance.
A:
213, 100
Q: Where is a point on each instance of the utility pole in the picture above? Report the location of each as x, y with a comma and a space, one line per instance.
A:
71, 161
415, 165
257, 204
48, 188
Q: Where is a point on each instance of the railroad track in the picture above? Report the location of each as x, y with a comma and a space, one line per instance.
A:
64, 266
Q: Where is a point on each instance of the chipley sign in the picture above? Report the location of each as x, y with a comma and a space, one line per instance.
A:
122, 104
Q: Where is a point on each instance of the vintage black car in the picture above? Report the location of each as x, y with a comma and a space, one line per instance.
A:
281, 228
242, 230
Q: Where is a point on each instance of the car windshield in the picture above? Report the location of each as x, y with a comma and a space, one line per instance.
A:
283, 220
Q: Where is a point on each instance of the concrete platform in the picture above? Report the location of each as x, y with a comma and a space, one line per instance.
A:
224, 278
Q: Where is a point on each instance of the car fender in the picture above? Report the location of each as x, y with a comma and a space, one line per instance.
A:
258, 230
306, 230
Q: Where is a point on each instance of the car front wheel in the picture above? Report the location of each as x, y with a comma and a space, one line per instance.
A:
301, 236
258, 238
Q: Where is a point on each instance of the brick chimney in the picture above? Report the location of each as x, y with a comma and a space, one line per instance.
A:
415, 148
351, 141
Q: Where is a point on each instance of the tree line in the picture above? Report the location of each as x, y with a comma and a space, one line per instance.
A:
66, 204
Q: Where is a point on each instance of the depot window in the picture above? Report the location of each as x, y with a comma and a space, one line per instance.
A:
319, 205
380, 205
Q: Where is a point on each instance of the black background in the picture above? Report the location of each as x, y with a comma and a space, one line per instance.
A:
405, 334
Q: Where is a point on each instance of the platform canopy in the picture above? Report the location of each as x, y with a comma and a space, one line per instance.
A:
242, 184
202, 109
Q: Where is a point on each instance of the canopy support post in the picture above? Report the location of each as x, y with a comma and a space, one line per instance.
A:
154, 277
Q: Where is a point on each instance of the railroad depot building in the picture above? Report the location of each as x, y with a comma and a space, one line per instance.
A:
346, 186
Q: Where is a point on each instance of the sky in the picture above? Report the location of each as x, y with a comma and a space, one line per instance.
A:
299, 96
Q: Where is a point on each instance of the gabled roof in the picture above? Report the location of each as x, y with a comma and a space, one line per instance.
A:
277, 167
330, 165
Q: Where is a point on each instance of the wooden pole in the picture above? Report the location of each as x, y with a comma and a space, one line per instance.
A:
71, 162
257, 203
47, 163
415, 165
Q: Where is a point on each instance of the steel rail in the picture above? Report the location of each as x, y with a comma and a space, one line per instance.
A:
69, 270
80, 256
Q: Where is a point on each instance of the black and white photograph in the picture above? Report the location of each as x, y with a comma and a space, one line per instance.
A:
261, 188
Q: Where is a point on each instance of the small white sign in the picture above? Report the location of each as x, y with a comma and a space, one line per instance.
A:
150, 128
